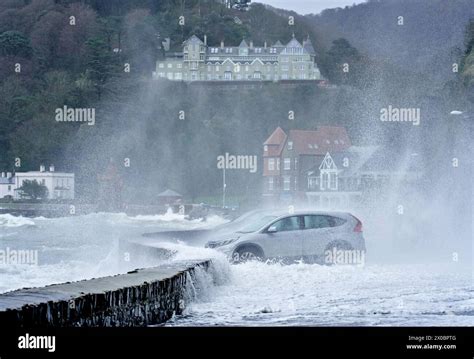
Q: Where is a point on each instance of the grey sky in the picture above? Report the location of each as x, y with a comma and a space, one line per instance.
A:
308, 6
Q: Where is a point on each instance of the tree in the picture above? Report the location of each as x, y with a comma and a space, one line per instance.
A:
14, 43
342, 64
99, 64
33, 190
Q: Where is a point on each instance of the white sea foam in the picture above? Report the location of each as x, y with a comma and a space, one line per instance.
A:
7, 220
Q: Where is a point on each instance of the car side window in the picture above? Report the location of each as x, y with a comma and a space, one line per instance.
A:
317, 222
287, 224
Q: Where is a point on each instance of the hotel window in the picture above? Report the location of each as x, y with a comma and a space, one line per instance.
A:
284, 68
179, 66
271, 164
227, 75
217, 68
313, 183
170, 75
209, 68
170, 66
290, 145
286, 183
296, 163
178, 76
333, 181
161, 65
296, 183
257, 75
325, 181
278, 164
185, 49
287, 164
284, 76
201, 57
265, 148
273, 50
270, 183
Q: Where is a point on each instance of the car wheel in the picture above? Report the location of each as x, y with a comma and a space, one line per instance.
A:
247, 254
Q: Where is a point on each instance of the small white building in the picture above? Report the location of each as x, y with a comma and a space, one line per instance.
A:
60, 185
7, 185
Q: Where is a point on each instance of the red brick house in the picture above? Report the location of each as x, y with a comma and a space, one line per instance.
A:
322, 167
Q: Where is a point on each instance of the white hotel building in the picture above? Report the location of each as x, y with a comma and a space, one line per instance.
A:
60, 185
200, 62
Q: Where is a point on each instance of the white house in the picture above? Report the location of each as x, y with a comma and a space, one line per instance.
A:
60, 185
7, 185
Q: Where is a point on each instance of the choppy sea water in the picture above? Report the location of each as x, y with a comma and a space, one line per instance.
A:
378, 293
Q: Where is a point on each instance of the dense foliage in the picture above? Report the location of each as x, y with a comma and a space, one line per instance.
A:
77, 54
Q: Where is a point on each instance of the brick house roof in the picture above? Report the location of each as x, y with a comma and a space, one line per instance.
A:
276, 142
325, 139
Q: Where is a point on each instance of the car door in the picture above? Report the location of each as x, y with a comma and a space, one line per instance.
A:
318, 233
287, 241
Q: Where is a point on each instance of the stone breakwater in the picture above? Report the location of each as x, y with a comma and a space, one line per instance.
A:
141, 297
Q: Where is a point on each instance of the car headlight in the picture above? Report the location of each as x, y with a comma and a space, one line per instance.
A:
215, 244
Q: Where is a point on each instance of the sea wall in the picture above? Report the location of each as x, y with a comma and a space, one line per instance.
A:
139, 298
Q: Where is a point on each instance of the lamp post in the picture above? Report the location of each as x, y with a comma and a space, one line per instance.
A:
224, 185
462, 150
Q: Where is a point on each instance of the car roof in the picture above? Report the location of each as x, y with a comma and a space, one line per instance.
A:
286, 212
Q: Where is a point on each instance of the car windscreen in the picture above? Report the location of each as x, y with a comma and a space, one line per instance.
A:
255, 223
238, 222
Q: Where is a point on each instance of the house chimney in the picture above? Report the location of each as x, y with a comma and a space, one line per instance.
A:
51, 168
222, 44
42, 168
205, 40
9, 175
265, 44
251, 44
3, 174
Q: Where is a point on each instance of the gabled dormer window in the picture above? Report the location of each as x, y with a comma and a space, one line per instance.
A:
328, 174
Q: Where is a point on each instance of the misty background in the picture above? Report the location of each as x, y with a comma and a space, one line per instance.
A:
137, 117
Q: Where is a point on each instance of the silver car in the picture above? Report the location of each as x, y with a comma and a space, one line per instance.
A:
321, 237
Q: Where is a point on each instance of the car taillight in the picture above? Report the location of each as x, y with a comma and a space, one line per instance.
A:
358, 226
